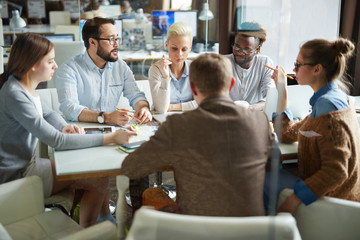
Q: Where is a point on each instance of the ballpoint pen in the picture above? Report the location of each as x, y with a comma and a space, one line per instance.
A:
275, 69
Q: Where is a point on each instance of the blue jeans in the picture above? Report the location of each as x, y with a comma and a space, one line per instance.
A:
285, 180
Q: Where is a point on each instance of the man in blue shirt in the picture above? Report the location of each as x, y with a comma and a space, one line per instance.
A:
90, 85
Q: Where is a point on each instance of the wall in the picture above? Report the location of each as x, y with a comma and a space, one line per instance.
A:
289, 23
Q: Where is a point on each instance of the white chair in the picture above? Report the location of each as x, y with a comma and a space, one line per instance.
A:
23, 216
151, 224
327, 218
68, 29
144, 87
59, 18
64, 198
298, 100
49, 95
1, 59
63, 52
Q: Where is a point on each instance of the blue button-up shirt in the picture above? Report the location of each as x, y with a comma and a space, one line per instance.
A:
328, 98
180, 91
81, 84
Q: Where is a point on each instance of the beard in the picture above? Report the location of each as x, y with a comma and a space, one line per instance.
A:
106, 56
244, 60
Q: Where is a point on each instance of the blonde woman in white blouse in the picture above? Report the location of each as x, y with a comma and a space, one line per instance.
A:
169, 77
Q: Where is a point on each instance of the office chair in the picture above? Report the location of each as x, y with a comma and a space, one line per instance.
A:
23, 216
327, 218
59, 18
150, 224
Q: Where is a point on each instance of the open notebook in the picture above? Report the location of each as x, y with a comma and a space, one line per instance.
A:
298, 101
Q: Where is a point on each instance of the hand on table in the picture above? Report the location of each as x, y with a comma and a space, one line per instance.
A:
73, 128
143, 115
120, 136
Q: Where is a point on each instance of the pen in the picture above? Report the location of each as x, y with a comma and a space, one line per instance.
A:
275, 69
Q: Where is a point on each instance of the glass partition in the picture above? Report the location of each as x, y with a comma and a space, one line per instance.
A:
141, 45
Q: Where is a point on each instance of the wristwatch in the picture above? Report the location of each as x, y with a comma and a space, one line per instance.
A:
101, 118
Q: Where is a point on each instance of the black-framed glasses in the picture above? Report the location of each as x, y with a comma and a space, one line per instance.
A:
298, 65
111, 40
244, 51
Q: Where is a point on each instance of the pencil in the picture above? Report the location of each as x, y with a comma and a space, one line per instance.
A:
126, 114
275, 69
129, 115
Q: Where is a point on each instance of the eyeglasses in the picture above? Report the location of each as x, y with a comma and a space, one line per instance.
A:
298, 65
111, 40
246, 52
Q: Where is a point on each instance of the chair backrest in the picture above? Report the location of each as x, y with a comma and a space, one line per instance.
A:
144, 87
63, 52
327, 218
298, 100
50, 97
12, 197
66, 29
59, 18
1, 60
4, 235
151, 224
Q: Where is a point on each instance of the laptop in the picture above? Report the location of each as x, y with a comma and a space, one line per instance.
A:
298, 101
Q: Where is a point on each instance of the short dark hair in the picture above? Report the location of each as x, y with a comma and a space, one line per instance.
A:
91, 28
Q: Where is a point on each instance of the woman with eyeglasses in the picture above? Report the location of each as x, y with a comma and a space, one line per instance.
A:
329, 138
25, 120
169, 77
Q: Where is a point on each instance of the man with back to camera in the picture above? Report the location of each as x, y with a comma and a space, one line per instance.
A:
252, 79
90, 85
218, 152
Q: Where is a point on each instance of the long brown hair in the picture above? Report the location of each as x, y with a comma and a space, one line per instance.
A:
26, 51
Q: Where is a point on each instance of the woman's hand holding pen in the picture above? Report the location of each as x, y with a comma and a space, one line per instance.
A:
163, 65
120, 136
280, 80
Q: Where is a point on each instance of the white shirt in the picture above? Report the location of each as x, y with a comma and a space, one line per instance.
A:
252, 84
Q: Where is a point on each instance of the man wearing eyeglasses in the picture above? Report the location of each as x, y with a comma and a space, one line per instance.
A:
252, 79
90, 85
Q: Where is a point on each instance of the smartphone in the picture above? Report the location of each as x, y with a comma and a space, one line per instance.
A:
133, 144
